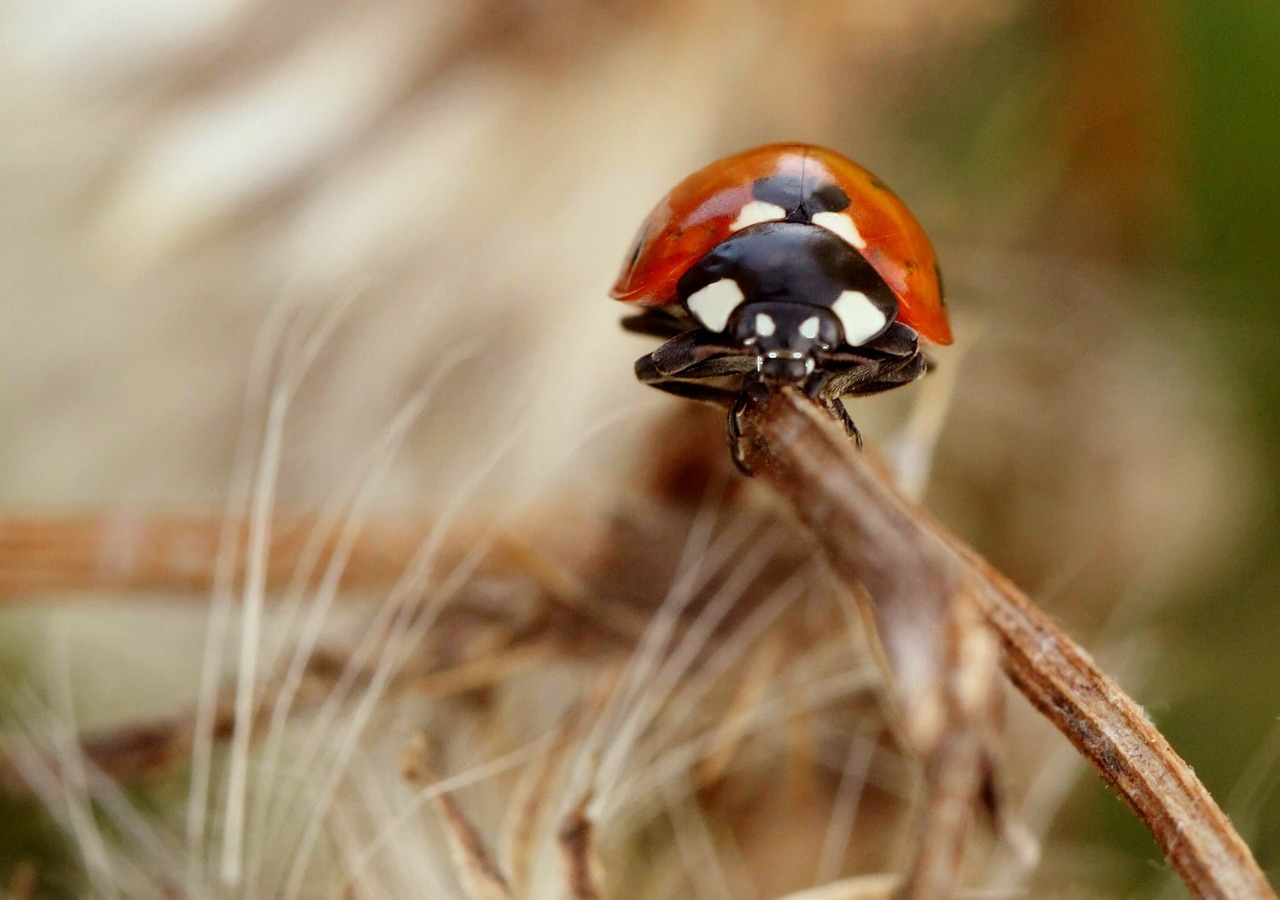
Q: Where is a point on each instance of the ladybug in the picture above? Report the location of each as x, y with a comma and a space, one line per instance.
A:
785, 265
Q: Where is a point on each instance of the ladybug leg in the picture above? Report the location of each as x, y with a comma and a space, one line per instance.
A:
693, 358
753, 392
896, 346
897, 340
677, 366
886, 376
849, 373
691, 390
819, 389
656, 323
692, 355
836, 407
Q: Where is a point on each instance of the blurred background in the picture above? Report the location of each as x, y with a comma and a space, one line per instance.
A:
462, 178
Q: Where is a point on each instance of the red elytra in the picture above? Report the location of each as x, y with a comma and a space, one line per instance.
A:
699, 212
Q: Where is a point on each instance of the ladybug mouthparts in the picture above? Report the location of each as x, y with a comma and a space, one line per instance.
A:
784, 367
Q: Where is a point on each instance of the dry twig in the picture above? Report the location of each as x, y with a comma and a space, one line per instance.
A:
923, 584
577, 848
480, 873
930, 595
40, 554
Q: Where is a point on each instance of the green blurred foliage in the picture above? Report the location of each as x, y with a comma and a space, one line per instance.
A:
28, 838
1230, 54
1215, 238
1230, 118
1041, 107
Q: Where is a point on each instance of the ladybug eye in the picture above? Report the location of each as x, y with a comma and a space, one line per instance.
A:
758, 211
713, 304
859, 317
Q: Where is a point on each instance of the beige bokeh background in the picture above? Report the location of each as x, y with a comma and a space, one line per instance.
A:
457, 182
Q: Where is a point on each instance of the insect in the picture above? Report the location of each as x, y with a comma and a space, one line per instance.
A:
785, 265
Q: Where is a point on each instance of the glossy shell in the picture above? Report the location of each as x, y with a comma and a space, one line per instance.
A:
700, 211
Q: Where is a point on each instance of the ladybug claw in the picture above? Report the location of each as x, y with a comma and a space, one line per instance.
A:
735, 435
752, 392
739, 462
850, 428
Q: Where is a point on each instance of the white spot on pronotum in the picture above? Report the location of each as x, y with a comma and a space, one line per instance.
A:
809, 328
765, 326
713, 304
758, 211
859, 317
840, 224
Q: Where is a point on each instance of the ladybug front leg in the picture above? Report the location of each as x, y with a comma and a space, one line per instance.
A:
882, 377
860, 379
682, 363
692, 356
836, 407
692, 390
753, 391
819, 390
853, 374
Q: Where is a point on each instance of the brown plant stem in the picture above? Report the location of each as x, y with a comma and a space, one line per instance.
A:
920, 599
909, 566
43, 554
928, 591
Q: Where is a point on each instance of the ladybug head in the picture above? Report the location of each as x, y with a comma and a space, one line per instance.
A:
787, 338
789, 291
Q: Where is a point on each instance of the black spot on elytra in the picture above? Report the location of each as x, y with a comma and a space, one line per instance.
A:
780, 190
802, 202
942, 292
826, 198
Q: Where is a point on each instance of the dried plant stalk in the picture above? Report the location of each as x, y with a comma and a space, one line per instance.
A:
1112, 732
172, 553
180, 553
480, 873
931, 597
920, 598
577, 847
912, 570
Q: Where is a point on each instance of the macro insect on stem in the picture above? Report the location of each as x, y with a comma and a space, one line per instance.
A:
786, 265
785, 275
